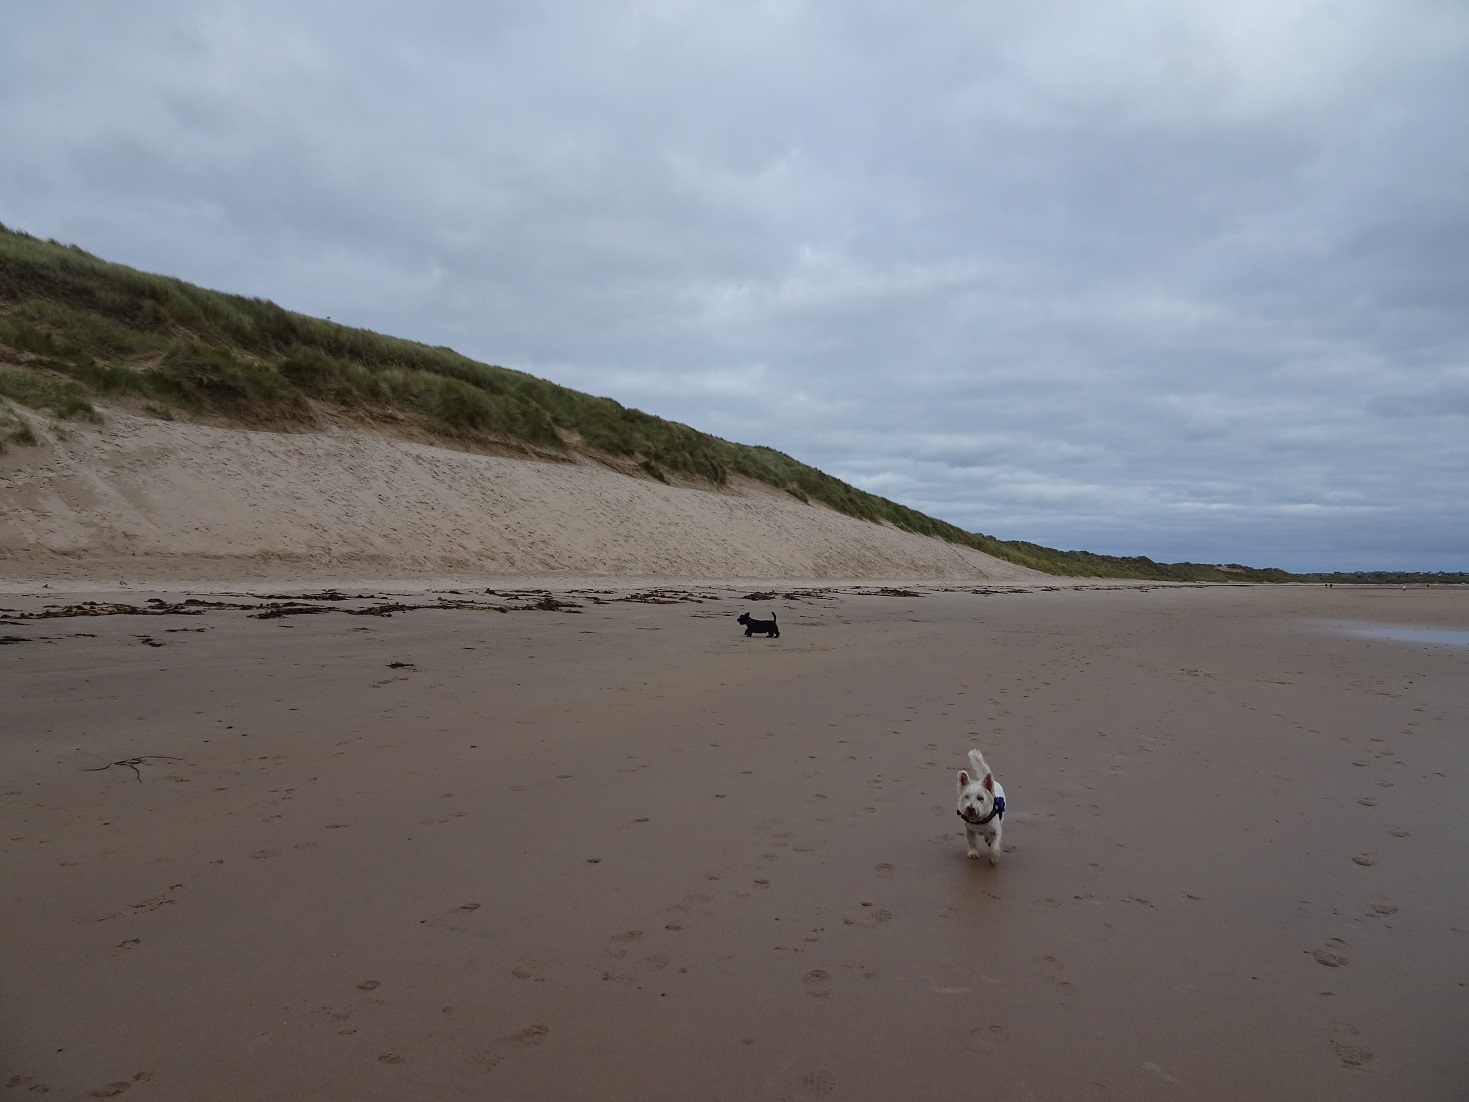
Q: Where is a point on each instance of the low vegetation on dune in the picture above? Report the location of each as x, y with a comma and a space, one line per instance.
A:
75, 329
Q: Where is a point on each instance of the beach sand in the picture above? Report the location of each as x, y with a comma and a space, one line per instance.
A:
136, 499
620, 851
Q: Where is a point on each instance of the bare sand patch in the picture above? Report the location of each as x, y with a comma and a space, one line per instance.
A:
145, 500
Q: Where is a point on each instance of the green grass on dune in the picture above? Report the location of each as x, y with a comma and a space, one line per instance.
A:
75, 329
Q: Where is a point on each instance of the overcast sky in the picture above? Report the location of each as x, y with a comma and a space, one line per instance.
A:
1135, 276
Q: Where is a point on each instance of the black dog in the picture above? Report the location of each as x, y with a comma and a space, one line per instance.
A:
762, 627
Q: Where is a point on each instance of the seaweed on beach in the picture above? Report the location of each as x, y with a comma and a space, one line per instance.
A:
275, 610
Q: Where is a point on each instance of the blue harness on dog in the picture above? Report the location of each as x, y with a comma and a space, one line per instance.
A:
996, 812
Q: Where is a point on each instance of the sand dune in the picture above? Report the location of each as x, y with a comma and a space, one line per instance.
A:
138, 498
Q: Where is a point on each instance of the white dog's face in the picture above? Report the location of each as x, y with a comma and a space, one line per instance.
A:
976, 795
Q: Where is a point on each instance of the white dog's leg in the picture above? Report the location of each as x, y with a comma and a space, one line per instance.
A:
992, 839
973, 836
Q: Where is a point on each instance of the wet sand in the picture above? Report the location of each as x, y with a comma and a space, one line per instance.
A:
621, 851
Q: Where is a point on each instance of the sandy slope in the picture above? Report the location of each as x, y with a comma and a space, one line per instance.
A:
138, 498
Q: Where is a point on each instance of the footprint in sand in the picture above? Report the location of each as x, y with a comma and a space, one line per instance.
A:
392, 1058
816, 980
1367, 860
869, 919
111, 1090
990, 1036
818, 1083
530, 1036
1331, 954
1383, 907
1345, 1040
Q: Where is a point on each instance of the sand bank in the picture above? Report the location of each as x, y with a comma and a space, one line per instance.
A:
138, 499
620, 851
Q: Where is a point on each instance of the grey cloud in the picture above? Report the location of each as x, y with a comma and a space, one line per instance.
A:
1140, 277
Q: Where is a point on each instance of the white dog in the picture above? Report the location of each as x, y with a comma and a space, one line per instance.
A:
981, 806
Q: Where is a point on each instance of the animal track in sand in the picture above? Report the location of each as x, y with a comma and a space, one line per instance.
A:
1399, 832
1366, 860
1330, 956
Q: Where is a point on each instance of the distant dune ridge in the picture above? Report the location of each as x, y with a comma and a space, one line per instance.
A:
141, 498
78, 333
373, 460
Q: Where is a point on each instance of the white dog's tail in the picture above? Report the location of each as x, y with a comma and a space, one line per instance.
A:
977, 762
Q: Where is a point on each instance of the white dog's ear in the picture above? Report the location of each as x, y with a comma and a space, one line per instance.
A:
989, 781
964, 781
